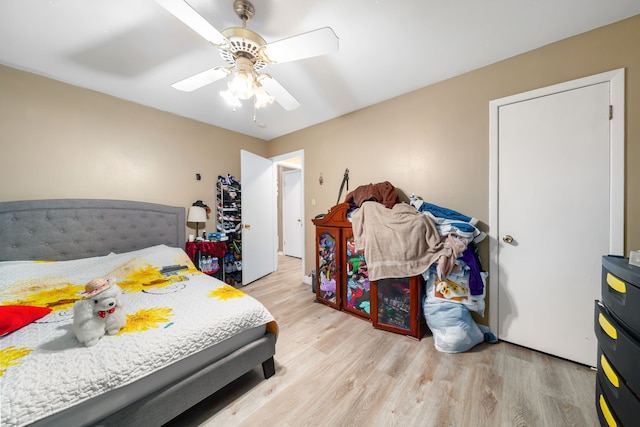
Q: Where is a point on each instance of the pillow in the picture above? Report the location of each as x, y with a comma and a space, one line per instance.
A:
14, 317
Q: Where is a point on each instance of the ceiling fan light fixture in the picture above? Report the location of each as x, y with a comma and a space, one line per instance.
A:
262, 97
241, 85
243, 81
247, 53
230, 99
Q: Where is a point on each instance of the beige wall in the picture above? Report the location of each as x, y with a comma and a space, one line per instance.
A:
61, 141
435, 141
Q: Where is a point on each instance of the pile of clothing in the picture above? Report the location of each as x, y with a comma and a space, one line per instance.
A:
403, 240
450, 299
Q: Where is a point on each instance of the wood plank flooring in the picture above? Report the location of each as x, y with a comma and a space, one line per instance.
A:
333, 369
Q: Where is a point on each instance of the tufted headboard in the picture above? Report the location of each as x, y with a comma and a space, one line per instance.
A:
62, 229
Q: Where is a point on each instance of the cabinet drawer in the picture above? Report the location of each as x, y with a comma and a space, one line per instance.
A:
621, 400
621, 291
606, 415
622, 351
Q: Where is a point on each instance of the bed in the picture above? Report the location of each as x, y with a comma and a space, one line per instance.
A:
163, 362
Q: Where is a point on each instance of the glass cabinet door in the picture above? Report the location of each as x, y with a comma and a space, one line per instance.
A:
394, 303
327, 274
357, 290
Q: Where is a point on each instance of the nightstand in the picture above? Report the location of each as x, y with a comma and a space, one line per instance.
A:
216, 249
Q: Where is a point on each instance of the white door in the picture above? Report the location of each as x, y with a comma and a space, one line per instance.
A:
258, 242
291, 214
553, 219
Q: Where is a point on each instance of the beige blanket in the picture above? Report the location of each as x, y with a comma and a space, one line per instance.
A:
401, 242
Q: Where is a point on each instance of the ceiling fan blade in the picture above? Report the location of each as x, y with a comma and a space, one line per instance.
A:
181, 10
275, 89
202, 79
306, 45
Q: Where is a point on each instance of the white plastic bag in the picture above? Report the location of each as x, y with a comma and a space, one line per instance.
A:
453, 328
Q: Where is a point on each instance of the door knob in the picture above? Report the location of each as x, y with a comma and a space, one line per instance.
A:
247, 226
507, 239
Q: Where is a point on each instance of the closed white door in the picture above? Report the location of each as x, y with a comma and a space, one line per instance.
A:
553, 219
291, 214
258, 213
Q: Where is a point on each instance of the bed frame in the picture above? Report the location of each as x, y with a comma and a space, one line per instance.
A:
64, 229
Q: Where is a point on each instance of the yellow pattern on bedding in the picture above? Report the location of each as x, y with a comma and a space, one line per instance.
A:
9, 357
135, 275
49, 292
226, 292
146, 319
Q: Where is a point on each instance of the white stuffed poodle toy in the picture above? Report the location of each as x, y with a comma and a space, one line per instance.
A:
100, 310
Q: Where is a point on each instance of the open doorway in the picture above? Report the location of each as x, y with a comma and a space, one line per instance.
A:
289, 177
290, 243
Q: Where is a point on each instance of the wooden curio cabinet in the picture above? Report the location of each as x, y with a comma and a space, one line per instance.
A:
395, 305
342, 280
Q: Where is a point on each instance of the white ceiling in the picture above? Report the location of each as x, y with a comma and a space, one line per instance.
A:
135, 49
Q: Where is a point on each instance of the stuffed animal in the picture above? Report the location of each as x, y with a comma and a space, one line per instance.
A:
100, 310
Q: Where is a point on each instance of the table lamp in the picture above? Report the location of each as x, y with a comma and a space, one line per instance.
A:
197, 215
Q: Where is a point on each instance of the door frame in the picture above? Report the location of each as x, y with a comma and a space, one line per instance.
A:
282, 160
616, 80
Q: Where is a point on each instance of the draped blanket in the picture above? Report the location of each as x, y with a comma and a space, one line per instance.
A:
401, 242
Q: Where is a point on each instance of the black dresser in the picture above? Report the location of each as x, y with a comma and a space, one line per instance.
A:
617, 327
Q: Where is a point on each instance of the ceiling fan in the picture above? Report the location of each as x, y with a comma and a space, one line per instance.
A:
247, 54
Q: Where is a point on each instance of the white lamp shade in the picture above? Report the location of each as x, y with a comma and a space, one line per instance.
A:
197, 214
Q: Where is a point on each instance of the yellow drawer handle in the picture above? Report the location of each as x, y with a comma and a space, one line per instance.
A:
607, 327
608, 371
611, 422
616, 284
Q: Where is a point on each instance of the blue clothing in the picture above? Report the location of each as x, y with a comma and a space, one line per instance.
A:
448, 221
445, 213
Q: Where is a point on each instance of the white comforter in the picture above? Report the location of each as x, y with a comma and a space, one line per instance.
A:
44, 369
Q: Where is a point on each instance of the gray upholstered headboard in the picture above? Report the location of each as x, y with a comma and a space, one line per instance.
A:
62, 229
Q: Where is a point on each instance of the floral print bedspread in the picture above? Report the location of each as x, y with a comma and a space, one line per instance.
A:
43, 367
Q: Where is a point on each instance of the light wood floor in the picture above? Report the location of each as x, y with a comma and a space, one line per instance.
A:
333, 369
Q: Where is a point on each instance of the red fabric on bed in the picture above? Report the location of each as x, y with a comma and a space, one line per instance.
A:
13, 317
